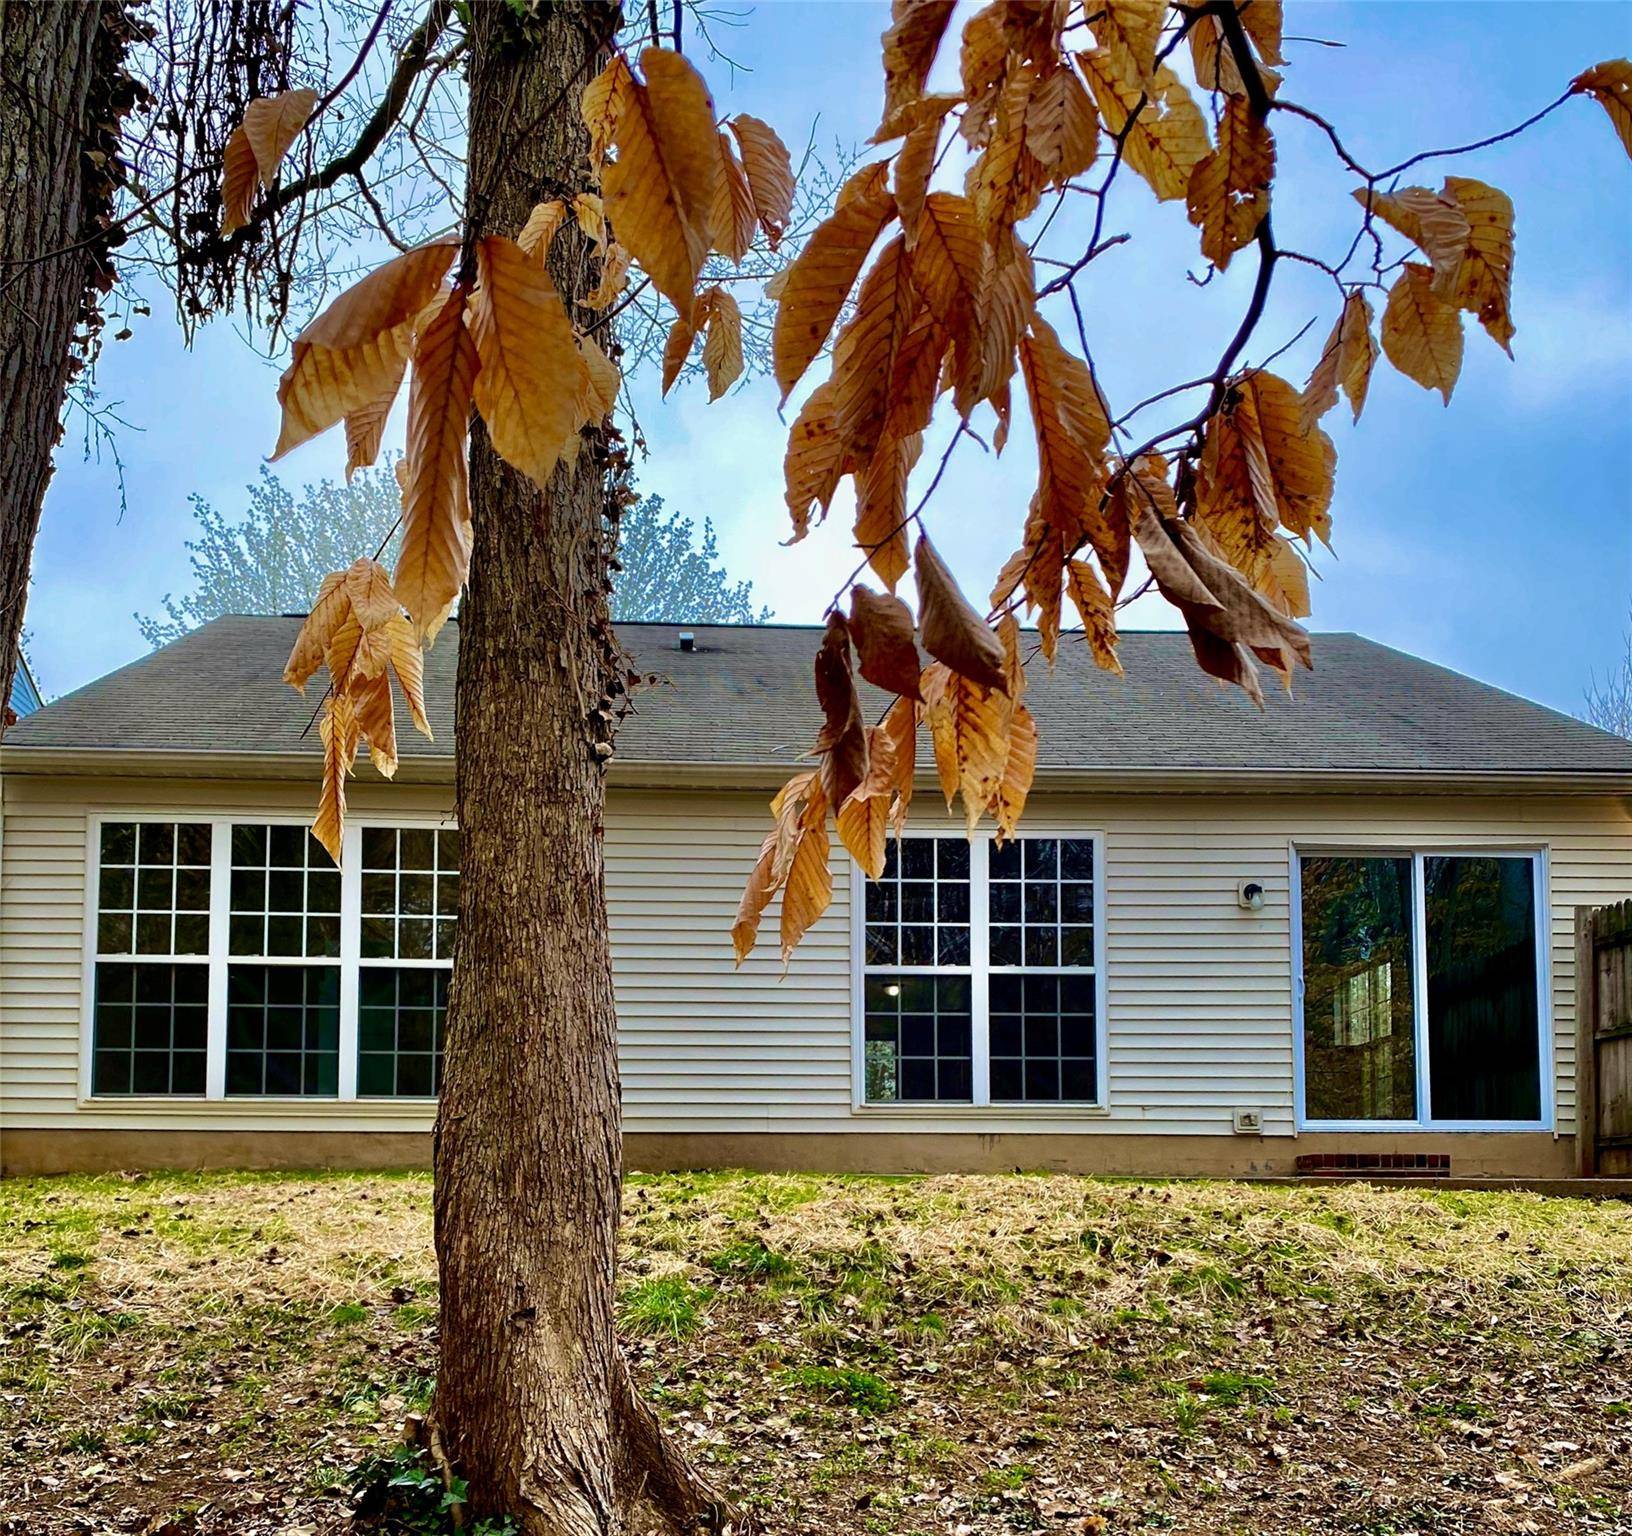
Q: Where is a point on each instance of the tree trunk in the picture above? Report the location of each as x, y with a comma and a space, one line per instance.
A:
53, 58
533, 1398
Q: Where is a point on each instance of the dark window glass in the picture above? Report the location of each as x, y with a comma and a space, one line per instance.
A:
149, 872
410, 893
285, 894
1359, 1033
917, 1039
399, 1035
150, 1021
1043, 1041
917, 911
283, 1029
1484, 1052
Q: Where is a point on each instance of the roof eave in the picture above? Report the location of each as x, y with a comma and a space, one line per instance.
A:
133, 762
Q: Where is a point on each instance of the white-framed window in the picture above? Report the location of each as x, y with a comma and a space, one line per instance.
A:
1421, 980
148, 968
227, 957
980, 977
410, 909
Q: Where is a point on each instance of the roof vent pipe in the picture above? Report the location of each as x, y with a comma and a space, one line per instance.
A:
688, 641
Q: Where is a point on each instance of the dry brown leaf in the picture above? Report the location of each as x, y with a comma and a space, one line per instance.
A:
814, 461
330, 608
408, 665
776, 853
660, 190
901, 726
1434, 224
346, 359
1134, 24
589, 214
1262, 20
604, 101
914, 164
538, 232
1019, 769
1261, 463
376, 720
1097, 612
938, 685
1484, 281
981, 718
869, 348
365, 427
1228, 194
338, 730
1169, 138
1072, 436
881, 506
910, 44
531, 370
677, 350
864, 818
255, 149
769, 170
722, 347
734, 219
951, 630
952, 267
809, 889
1346, 360
1422, 334
881, 627
436, 496
843, 738
1610, 85
614, 277
820, 280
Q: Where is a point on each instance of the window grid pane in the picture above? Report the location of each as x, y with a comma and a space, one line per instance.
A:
285, 895
153, 888
400, 1017
283, 1030
410, 894
918, 1039
1041, 903
150, 1026
1042, 1030
917, 911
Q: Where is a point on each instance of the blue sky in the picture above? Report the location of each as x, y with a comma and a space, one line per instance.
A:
1494, 536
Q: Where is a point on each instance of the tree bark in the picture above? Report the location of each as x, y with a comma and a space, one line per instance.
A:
533, 1397
51, 59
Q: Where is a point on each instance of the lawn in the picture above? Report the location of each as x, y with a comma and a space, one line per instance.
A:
219, 1354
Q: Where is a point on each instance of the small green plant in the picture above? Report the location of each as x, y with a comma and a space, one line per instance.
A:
1229, 1388
860, 1389
752, 1258
66, 1258
671, 1305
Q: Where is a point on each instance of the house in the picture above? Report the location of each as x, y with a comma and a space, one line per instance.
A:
25, 692
1225, 941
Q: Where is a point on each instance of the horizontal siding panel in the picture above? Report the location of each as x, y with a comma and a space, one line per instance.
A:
1199, 993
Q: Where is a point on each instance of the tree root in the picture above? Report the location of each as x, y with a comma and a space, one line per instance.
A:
656, 1477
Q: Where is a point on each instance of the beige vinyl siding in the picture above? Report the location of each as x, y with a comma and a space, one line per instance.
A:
1199, 992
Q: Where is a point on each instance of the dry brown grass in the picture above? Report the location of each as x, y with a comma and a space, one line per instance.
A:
899, 1357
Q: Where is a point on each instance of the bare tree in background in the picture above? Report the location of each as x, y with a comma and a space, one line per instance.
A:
1608, 704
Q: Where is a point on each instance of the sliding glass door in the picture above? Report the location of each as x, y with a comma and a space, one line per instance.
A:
1421, 978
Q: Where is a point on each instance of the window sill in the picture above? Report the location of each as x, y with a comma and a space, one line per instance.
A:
1424, 1127
238, 1103
921, 1110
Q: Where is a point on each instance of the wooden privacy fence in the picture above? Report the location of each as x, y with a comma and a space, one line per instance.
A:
1603, 1039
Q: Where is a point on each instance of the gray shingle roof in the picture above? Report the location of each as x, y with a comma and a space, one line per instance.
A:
744, 697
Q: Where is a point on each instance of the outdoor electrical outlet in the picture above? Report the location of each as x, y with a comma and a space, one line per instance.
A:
1248, 1122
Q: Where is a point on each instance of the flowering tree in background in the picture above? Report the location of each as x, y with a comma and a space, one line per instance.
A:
271, 558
